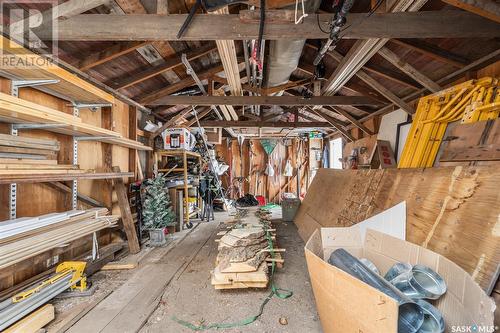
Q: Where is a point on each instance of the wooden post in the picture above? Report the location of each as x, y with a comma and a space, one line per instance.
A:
127, 220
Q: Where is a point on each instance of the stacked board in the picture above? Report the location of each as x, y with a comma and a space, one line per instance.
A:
26, 237
244, 252
16, 110
17, 148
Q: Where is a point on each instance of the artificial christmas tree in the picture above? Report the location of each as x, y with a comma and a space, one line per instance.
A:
156, 211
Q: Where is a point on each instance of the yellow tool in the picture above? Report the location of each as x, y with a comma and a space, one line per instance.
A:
78, 280
468, 102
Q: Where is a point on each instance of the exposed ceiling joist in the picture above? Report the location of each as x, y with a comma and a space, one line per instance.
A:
352, 120
265, 100
433, 51
362, 51
152, 97
65, 10
113, 52
487, 8
169, 63
429, 24
365, 77
409, 69
263, 124
334, 123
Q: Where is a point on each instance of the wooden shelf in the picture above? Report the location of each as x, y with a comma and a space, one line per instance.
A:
17, 110
177, 152
70, 86
41, 176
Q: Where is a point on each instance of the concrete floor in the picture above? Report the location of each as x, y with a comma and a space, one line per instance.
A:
191, 297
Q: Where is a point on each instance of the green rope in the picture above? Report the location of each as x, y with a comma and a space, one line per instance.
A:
275, 291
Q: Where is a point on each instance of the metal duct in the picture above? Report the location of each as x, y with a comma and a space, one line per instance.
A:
284, 54
411, 315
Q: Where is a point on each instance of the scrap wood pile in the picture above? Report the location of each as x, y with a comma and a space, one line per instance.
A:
246, 251
26, 237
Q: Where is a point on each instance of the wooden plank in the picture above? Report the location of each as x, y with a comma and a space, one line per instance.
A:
118, 266
436, 198
34, 321
126, 214
353, 120
269, 124
170, 63
112, 52
129, 306
486, 8
153, 96
59, 176
265, 100
428, 24
432, 51
376, 85
83, 198
70, 85
409, 69
334, 123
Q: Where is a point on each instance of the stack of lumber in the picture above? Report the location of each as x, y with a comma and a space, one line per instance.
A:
24, 238
14, 148
244, 254
17, 110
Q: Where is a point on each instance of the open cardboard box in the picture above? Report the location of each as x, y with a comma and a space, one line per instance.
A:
346, 304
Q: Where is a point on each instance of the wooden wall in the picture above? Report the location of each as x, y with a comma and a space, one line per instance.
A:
38, 199
253, 161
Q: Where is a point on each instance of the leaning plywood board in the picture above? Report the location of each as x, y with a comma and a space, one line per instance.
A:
70, 86
452, 211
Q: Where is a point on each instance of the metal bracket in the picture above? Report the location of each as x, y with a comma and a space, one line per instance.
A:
16, 84
190, 71
74, 186
93, 138
92, 106
37, 126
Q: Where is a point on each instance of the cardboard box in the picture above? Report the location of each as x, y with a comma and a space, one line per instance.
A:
346, 304
178, 138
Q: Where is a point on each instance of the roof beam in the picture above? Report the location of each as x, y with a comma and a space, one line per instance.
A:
362, 51
429, 24
152, 97
113, 52
170, 63
269, 124
66, 9
353, 120
335, 124
265, 100
433, 51
365, 77
409, 69
486, 8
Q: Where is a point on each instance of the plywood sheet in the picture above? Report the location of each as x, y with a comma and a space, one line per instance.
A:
450, 210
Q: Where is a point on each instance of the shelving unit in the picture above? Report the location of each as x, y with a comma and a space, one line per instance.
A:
162, 156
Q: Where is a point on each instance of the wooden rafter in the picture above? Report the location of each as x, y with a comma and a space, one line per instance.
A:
113, 52
438, 24
169, 64
265, 100
433, 51
269, 124
154, 96
377, 86
334, 123
409, 69
352, 120
487, 8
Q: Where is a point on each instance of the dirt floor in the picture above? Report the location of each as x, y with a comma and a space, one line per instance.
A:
179, 287
191, 297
